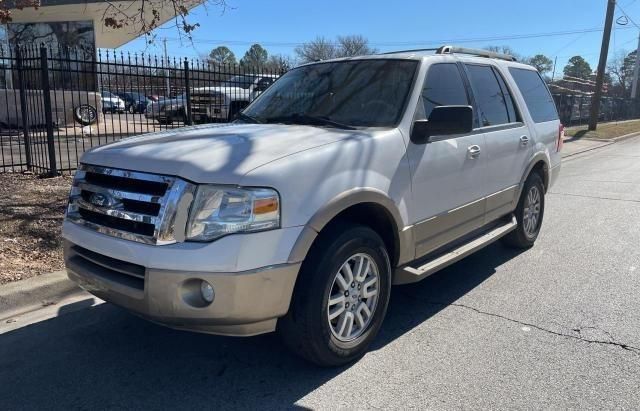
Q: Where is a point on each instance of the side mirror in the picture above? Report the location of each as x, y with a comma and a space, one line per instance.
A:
443, 121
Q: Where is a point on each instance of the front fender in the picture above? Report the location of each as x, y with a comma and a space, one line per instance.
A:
340, 203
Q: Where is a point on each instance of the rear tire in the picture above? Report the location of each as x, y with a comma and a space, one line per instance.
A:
529, 214
317, 327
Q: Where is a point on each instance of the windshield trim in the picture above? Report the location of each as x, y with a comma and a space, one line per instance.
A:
405, 103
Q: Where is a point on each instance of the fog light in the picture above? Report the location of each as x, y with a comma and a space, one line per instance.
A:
206, 290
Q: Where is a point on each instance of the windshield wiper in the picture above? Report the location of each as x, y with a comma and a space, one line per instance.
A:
309, 120
246, 117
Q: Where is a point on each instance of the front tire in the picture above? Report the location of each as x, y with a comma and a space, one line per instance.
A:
341, 297
529, 214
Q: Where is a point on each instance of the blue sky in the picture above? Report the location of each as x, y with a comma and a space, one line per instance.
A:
390, 25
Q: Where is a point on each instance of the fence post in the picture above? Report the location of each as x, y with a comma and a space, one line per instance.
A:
46, 95
187, 95
23, 109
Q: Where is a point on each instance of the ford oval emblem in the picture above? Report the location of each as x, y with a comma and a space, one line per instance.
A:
101, 200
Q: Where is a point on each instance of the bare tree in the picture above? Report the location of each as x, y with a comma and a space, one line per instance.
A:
279, 63
315, 50
505, 50
144, 15
354, 45
621, 71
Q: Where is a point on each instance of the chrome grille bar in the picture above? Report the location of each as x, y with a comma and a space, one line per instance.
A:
130, 205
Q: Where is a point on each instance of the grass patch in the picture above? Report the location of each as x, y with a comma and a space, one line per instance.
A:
604, 130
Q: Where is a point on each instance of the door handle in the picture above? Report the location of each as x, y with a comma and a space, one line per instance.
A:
474, 151
524, 140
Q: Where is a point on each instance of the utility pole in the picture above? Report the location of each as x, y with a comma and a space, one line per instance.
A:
634, 86
166, 70
553, 75
602, 64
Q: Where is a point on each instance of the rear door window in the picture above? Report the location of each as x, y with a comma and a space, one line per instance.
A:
536, 94
490, 100
443, 87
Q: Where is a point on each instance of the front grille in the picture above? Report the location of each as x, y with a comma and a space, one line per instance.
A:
207, 98
131, 275
127, 204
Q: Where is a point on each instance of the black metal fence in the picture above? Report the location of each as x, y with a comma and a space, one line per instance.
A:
54, 104
574, 108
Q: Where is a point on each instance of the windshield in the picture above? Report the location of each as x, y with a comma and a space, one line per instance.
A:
368, 93
239, 81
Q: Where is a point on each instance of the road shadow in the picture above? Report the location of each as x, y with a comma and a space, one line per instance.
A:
103, 357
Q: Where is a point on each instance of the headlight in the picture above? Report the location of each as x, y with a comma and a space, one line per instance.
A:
218, 211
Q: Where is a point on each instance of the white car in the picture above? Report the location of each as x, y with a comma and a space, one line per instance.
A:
343, 178
225, 101
112, 103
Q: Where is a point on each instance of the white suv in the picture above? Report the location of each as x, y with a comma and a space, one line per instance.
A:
343, 178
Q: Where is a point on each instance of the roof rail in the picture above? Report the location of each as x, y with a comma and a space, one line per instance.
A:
474, 52
409, 51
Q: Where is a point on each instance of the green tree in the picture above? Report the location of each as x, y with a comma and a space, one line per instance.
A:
542, 63
222, 55
578, 67
256, 56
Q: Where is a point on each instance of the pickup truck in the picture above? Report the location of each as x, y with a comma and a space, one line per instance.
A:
224, 102
341, 179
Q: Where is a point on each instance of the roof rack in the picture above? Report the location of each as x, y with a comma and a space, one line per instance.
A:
460, 50
474, 52
409, 51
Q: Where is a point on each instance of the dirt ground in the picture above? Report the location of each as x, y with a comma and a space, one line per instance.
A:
31, 213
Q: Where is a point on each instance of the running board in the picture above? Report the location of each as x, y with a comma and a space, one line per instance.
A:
409, 274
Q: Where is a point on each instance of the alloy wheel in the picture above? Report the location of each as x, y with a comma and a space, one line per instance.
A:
531, 217
353, 297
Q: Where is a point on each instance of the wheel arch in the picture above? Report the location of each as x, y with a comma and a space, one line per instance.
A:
539, 163
367, 206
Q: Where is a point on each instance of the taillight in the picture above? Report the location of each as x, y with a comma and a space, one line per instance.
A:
560, 141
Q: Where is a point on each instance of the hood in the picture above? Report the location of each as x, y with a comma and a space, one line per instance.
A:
212, 153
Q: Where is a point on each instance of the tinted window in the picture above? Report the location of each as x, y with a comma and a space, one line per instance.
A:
443, 87
508, 98
369, 93
490, 100
536, 95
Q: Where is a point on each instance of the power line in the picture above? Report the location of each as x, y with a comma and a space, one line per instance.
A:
415, 42
627, 16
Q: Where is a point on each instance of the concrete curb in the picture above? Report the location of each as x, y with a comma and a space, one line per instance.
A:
605, 143
43, 290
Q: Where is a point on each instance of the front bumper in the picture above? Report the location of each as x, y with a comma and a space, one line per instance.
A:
246, 303
207, 113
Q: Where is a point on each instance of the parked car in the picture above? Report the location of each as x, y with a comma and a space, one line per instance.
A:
344, 177
224, 102
111, 103
166, 111
134, 102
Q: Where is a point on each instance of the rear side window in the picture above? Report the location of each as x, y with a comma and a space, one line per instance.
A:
443, 87
492, 103
536, 95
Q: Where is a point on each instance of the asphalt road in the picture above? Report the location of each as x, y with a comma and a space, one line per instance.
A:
557, 326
